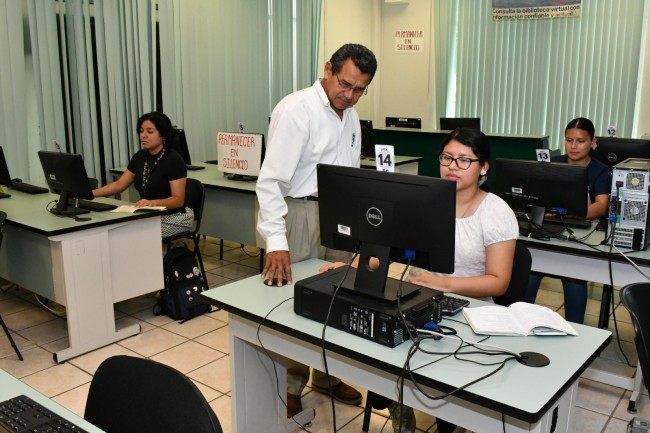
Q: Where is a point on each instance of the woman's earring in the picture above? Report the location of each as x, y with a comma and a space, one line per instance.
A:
483, 172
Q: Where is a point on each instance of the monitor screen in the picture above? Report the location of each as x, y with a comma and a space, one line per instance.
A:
548, 185
385, 215
451, 123
240, 155
404, 122
612, 150
367, 139
179, 144
65, 174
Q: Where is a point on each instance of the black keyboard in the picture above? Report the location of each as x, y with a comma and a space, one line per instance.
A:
28, 188
452, 305
194, 167
22, 414
91, 205
568, 221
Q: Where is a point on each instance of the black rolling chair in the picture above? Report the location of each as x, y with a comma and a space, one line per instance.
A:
137, 395
516, 292
521, 265
3, 217
636, 298
194, 198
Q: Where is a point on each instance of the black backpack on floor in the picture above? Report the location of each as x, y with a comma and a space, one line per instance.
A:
180, 299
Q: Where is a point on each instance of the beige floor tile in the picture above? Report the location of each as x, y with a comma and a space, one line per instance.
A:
152, 342
90, 361
75, 399
216, 375
218, 339
196, 327
188, 356
35, 360
47, 332
222, 406
586, 421
57, 379
598, 397
28, 318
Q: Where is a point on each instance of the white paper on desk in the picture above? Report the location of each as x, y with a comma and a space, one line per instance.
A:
385, 157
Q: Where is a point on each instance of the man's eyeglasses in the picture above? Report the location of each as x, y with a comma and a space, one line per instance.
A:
462, 162
347, 86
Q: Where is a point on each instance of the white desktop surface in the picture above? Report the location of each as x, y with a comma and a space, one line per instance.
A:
86, 266
11, 387
591, 263
525, 394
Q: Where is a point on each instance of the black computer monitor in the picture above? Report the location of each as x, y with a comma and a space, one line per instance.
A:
612, 150
451, 123
388, 216
537, 187
178, 142
65, 174
367, 139
404, 122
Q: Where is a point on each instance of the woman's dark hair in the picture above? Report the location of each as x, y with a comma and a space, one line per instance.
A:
362, 57
162, 123
582, 123
475, 140
472, 138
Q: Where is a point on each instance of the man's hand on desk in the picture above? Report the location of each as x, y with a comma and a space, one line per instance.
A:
277, 265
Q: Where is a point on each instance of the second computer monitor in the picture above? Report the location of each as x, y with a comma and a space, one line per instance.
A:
547, 185
612, 150
451, 123
404, 122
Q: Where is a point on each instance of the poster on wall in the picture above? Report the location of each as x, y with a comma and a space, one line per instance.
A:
534, 9
409, 41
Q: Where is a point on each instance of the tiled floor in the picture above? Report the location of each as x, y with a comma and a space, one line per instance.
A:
199, 348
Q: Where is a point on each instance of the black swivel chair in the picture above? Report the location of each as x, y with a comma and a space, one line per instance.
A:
138, 395
636, 298
3, 217
194, 198
516, 292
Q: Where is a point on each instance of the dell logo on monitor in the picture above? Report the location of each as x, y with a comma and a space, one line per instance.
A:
374, 216
612, 157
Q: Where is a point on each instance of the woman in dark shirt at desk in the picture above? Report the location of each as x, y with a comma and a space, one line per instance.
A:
159, 174
579, 139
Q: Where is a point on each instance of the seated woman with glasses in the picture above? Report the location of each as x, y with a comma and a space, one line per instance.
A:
486, 235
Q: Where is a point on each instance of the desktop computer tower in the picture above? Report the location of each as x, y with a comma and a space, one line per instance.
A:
629, 201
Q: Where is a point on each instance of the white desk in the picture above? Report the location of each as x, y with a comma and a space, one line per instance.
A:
11, 387
531, 399
86, 266
574, 260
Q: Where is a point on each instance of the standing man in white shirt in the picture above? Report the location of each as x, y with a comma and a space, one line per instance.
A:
310, 126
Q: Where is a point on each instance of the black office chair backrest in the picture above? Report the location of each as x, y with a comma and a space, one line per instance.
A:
194, 198
521, 265
137, 395
636, 298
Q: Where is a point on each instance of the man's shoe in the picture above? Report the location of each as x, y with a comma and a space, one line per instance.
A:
341, 392
294, 405
404, 423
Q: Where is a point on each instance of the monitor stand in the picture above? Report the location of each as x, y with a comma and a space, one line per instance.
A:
241, 177
374, 283
63, 209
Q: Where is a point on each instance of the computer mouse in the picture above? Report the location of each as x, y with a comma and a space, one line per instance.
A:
16, 179
274, 282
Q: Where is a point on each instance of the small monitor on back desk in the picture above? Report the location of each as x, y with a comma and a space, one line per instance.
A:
404, 122
451, 123
179, 144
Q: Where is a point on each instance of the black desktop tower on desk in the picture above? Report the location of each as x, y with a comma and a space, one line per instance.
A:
361, 314
629, 201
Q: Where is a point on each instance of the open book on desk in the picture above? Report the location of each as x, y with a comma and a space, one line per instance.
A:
132, 209
520, 318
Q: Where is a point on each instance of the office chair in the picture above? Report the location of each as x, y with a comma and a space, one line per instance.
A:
138, 395
516, 292
194, 197
3, 217
636, 298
